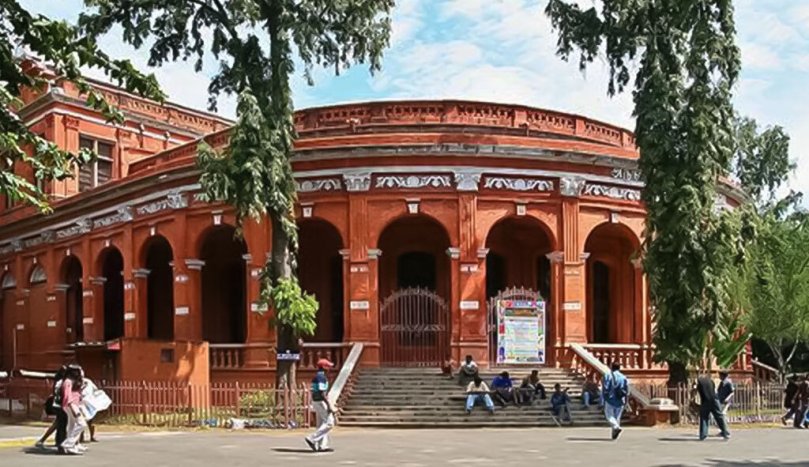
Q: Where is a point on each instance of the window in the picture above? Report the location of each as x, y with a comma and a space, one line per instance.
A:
98, 171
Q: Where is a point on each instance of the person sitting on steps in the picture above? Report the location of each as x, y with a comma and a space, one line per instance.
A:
560, 405
590, 391
476, 391
504, 389
530, 387
467, 371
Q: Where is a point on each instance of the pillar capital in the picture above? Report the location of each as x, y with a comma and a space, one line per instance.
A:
194, 264
637, 263
556, 257
374, 253
345, 253
454, 252
141, 273
482, 253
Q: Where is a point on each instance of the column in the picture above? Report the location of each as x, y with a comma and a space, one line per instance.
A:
59, 295
257, 320
574, 324
93, 311
187, 291
138, 318
554, 307
640, 312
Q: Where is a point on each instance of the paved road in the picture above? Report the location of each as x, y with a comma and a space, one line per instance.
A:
547, 447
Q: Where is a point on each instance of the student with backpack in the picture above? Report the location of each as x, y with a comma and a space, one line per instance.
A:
615, 392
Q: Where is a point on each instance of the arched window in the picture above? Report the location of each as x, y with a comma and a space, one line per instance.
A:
8, 281
37, 276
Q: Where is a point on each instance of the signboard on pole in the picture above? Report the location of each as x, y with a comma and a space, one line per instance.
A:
520, 332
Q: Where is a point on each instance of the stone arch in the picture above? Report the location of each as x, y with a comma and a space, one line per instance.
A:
157, 257
224, 285
70, 276
446, 226
37, 275
111, 268
320, 271
8, 284
610, 283
517, 256
414, 254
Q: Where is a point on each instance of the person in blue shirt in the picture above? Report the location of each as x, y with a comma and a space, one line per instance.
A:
560, 404
323, 408
615, 390
504, 389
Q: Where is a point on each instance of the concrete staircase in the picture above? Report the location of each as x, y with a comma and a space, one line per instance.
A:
423, 398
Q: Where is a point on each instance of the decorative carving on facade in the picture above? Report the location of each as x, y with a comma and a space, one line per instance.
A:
357, 181
627, 175
174, 200
72, 122
454, 252
81, 226
123, 214
556, 256
374, 253
467, 181
324, 184
413, 181
571, 186
614, 192
518, 184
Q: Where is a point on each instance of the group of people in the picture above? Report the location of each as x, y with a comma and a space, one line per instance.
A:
74, 402
796, 401
502, 390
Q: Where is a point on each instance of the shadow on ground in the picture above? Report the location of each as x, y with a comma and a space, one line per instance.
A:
761, 463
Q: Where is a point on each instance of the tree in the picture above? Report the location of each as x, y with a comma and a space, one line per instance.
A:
761, 161
257, 43
779, 286
687, 62
26, 39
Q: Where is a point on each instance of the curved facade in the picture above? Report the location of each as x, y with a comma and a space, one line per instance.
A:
451, 201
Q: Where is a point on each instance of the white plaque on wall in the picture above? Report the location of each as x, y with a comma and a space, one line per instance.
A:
181, 310
360, 305
258, 307
129, 316
52, 324
572, 306
87, 320
20, 327
470, 304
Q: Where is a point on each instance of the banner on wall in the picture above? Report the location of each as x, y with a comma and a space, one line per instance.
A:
520, 331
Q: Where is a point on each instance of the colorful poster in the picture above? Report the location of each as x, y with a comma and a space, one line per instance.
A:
520, 331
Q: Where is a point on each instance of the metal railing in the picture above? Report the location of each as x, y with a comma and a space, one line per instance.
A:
343, 384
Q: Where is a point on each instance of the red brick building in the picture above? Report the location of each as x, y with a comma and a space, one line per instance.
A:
138, 279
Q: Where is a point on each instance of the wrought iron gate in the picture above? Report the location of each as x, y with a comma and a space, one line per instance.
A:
415, 328
512, 293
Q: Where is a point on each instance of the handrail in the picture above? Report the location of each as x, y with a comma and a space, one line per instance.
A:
772, 373
346, 371
612, 346
591, 361
325, 345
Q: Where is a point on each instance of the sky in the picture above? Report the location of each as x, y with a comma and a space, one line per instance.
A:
504, 51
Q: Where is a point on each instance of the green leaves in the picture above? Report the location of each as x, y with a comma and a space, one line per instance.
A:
686, 63
65, 51
293, 308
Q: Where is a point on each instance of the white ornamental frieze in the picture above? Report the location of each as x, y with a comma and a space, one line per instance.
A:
413, 181
571, 186
614, 192
360, 181
123, 214
324, 184
518, 184
174, 200
81, 226
627, 175
467, 180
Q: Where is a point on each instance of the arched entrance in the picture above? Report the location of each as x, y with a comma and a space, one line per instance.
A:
224, 308
112, 271
8, 286
517, 268
71, 274
610, 283
320, 272
159, 289
414, 284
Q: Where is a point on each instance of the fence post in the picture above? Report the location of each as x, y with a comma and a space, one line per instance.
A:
143, 404
757, 399
237, 392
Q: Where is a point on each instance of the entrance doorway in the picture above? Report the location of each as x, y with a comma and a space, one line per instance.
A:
159, 289
415, 325
224, 310
112, 271
320, 272
610, 284
71, 273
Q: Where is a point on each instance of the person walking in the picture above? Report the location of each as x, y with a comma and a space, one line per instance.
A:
53, 407
71, 404
709, 405
615, 390
323, 408
789, 399
725, 391
801, 402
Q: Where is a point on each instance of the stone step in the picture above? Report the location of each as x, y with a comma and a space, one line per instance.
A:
462, 424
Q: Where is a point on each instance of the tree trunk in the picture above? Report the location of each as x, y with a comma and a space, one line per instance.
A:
678, 374
281, 269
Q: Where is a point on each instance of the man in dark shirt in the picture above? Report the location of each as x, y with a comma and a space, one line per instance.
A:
503, 389
324, 410
789, 399
709, 405
801, 402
